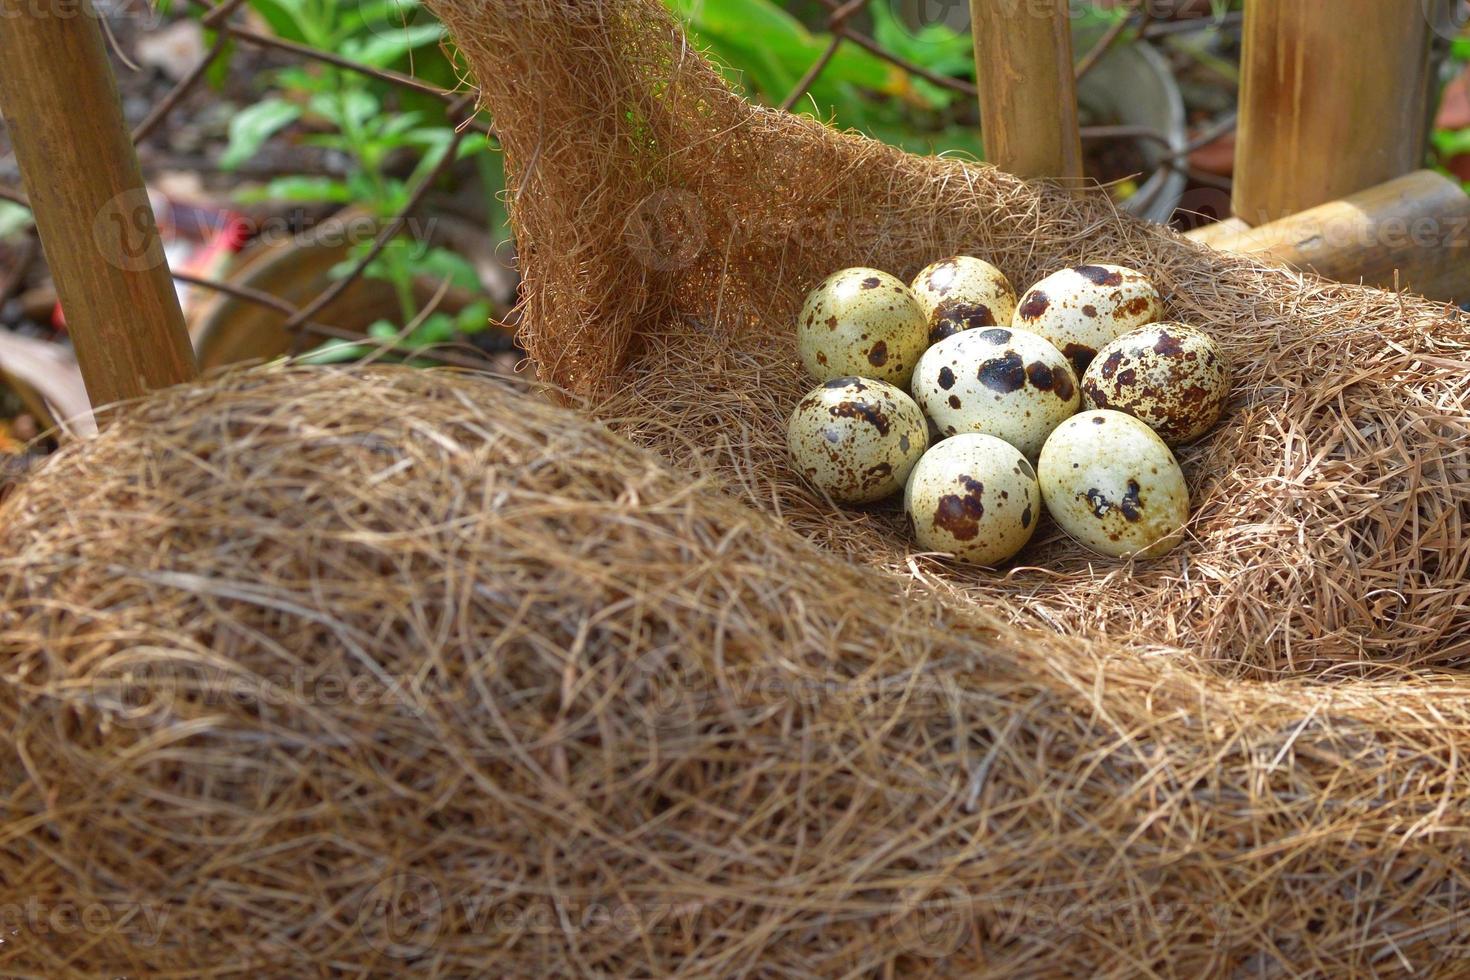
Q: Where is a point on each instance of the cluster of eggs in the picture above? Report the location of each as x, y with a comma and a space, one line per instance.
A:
985, 408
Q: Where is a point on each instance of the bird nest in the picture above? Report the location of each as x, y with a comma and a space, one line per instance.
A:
396, 672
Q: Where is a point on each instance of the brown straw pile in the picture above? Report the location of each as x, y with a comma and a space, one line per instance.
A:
398, 673
402, 673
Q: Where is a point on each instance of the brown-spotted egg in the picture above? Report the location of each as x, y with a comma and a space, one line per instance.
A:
1169, 375
1112, 484
975, 497
963, 293
1082, 308
1007, 383
856, 439
861, 322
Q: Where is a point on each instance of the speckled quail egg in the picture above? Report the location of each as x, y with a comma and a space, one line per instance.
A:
1007, 383
1171, 376
973, 496
963, 293
862, 322
856, 439
1112, 484
1083, 308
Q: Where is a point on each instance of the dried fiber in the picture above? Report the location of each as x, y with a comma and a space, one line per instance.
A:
670, 230
386, 672
400, 672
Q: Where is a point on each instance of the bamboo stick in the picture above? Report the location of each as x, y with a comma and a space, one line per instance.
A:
1332, 101
1413, 232
60, 104
1028, 93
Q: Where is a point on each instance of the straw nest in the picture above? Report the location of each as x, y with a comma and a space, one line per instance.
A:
671, 229
403, 673
387, 672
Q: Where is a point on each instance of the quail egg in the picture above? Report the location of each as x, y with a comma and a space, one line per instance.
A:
1082, 308
856, 439
1171, 376
963, 293
973, 496
1007, 383
862, 322
1113, 485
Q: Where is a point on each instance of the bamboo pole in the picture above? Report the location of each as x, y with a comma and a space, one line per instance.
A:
1028, 92
1332, 101
60, 104
1412, 232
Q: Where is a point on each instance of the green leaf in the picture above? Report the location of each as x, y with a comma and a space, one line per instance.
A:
218, 71
1452, 142
300, 189
437, 328
337, 352
934, 46
474, 318
291, 20
370, 14
348, 110
14, 219
443, 263
253, 125
392, 43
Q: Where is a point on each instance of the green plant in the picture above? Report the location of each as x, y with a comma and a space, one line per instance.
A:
765, 50
14, 219
1447, 144
349, 113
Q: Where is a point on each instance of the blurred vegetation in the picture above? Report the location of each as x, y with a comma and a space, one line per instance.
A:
1451, 143
384, 139
765, 49
370, 125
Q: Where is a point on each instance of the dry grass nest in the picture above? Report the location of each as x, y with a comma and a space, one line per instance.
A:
388, 672
396, 672
670, 231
